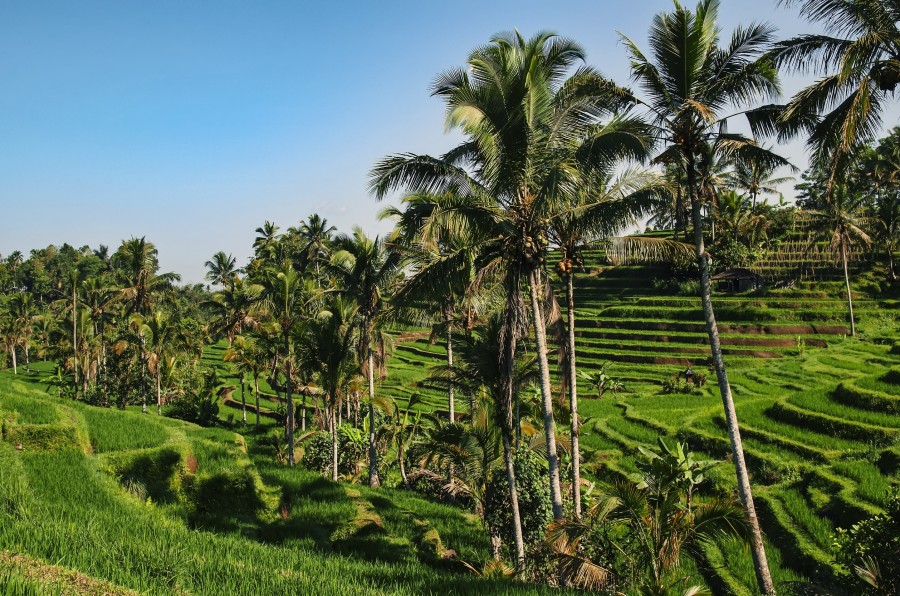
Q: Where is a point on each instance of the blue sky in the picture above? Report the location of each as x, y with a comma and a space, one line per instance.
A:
191, 123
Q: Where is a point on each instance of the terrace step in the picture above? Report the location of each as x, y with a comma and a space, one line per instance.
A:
724, 328
702, 339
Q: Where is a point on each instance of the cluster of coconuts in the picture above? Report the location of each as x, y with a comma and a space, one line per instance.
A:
535, 245
564, 267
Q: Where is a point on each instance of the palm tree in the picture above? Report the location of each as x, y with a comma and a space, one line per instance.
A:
757, 177
366, 269
235, 308
137, 265
287, 297
266, 240
326, 346
317, 236
157, 334
481, 370
839, 219
597, 211
441, 269
22, 311
531, 133
238, 353
221, 269
859, 63
689, 83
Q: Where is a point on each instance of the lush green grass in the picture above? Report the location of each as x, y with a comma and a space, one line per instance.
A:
234, 523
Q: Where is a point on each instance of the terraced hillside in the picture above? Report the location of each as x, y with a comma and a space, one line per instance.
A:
819, 411
99, 501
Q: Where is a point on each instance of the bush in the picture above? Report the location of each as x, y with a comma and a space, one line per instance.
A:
534, 499
872, 545
351, 451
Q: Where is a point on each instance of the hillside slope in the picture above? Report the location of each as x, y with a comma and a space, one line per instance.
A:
126, 501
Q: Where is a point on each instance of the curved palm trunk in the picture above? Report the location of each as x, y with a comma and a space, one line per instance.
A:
573, 398
303, 414
760, 563
373, 451
256, 393
847, 284
540, 334
13, 352
334, 440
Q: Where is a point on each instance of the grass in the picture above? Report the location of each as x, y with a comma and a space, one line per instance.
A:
71, 507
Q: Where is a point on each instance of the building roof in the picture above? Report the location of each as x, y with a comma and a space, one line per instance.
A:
734, 274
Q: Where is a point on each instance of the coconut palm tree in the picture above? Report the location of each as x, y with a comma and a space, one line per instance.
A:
480, 372
221, 269
287, 299
441, 269
23, 311
689, 84
159, 336
316, 235
137, 265
366, 269
531, 134
234, 309
858, 61
326, 346
757, 177
596, 212
238, 353
840, 220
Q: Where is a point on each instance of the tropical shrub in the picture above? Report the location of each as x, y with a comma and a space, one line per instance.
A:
534, 499
868, 553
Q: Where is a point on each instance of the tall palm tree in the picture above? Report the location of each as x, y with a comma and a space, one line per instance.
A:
596, 212
689, 85
23, 311
158, 334
235, 308
326, 345
757, 177
238, 353
137, 266
840, 220
530, 135
481, 370
316, 235
441, 269
287, 298
366, 268
858, 60
221, 269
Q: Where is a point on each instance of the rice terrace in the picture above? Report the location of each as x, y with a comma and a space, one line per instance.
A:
632, 329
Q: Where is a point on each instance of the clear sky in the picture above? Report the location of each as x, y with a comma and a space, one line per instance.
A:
192, 122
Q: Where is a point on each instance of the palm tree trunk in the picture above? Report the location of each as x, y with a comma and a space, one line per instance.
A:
75, 335
334, 440
303, 414
13, 352
573, 397
373, 452
451, 405
158, 392
256, 393
540, 334
513, 498
290, 403
27, 359
243, 402
760, 563
847, 284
